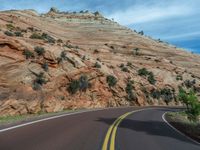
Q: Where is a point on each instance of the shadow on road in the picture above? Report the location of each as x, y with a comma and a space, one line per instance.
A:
147, 126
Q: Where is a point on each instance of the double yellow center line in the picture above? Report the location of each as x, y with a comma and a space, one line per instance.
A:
111, 133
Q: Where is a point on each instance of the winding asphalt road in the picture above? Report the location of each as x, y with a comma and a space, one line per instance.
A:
110, 129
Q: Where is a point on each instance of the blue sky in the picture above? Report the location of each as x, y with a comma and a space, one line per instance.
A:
174, 21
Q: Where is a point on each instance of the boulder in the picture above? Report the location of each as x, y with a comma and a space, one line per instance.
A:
13, 107
51, 104
34, 106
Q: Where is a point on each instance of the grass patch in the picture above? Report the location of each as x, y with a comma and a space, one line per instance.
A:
10, 119
29, 117
181, 122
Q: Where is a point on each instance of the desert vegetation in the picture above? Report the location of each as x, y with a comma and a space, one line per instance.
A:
82, 84
111, 80
39, 50
45, 66
43, 36
8, 33
97, 65
28, 54
130, 93
39, 81
136, 51
150, 76
190, 100
36, 36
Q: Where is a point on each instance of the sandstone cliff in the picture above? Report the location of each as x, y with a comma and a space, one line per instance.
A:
59, 60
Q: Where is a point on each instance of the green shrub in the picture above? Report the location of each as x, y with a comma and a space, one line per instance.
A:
151, 78
39, 50
84, 83
74, 86
59, 41
189, 83
192, 103
96, 51
44, 36
68, 46
18, 33
8, 33
130, 94
39, 81
125, 69
144, 90
129, 64
179, 77
36, 36
121, 65
136, 51
112, 47
98, 59
45, 66
79, 85
28, 54
182, 96
155, 94
36, 86
143, 72
31, 29
150, 75
10, 27
48, 38
59, 60
84, 58
167, 95
97, 65
141, 32
96, 13
76, 47
111, 80
63, 55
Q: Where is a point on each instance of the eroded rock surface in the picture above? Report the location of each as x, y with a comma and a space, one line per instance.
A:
85, 44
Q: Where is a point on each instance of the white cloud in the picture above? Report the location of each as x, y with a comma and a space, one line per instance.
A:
183, 36
142, 13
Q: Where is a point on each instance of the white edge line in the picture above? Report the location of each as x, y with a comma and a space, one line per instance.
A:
181, 133
55, 117
63, 115
45, 119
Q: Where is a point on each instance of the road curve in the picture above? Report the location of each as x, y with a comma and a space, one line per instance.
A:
140, 130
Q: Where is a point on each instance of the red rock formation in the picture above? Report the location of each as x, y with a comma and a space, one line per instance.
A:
84, 39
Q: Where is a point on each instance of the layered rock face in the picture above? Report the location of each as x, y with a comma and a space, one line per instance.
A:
58, 61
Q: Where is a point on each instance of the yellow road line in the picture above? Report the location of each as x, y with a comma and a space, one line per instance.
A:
111, 133
105, 143
113, 136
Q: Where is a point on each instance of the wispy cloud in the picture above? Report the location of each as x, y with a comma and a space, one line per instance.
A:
144, 12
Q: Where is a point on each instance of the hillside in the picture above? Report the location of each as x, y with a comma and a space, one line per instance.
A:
55, 61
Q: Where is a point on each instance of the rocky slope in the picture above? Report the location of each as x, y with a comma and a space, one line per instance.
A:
61, 60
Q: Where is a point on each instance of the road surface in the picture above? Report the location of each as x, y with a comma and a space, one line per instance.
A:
110, 129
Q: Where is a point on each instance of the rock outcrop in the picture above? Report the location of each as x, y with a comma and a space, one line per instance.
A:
62, 60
